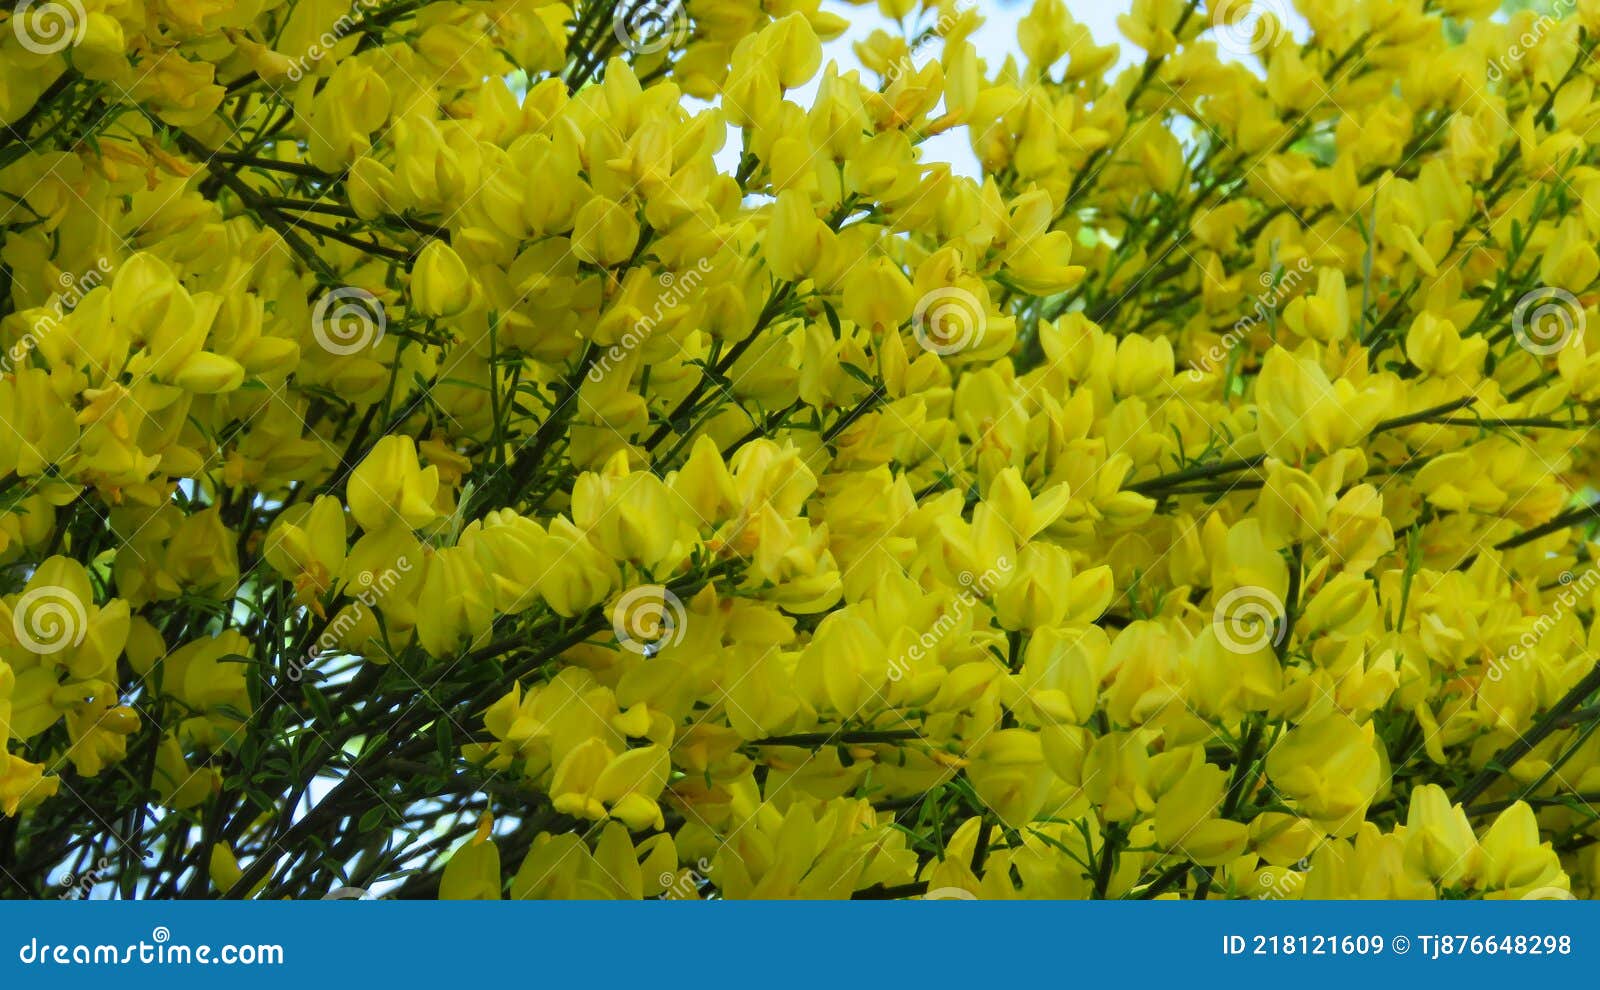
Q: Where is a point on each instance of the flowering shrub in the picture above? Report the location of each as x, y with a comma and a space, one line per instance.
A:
509, 448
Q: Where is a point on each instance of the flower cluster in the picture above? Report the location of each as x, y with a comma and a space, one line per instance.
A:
523, 448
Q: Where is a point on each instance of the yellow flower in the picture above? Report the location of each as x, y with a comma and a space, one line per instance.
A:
1514, 861
593, 783
390, 488
473, 871
1186, 818
1331, 769
1098, 520
23, 785
307, 546
460, 602
1440, 838
440, 283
